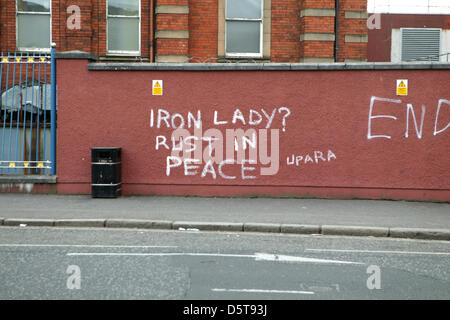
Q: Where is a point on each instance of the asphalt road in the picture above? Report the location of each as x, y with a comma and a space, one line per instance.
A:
70, 263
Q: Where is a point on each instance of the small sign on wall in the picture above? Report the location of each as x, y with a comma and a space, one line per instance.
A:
157, 88
402, 87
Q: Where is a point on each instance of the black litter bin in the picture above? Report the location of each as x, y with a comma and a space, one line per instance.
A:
106, 172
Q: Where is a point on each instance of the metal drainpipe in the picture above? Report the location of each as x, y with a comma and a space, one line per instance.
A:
151, 30
336, 28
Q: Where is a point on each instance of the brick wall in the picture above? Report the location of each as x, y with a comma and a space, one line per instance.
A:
317, 19
7, 26
379, 44
172, 30
203, 26
77, 39
352, 31
91, 37
187, 30
285, 35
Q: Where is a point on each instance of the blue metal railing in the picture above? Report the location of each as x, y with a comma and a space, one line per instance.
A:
28, 113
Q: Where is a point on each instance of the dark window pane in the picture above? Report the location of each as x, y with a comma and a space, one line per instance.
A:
33, 5
250, 9
123, 34
123, 7
243, 37
33, 31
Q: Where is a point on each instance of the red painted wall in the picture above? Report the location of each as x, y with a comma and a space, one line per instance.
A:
329, 110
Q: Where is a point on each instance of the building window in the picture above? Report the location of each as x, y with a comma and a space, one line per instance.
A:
420, 44
123, 19
33, 23
244, 28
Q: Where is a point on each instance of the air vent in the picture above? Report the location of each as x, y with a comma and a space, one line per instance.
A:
421, 44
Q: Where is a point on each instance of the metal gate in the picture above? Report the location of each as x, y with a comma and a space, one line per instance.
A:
28, 113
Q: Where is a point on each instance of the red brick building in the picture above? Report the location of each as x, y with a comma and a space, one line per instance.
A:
337, 130
190, 30
427, 37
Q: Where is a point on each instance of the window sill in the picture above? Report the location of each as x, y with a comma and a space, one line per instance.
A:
123, 54
45, 179
124, 58
243, 59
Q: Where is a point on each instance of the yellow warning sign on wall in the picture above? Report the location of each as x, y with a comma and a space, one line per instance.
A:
402, 87
157, 88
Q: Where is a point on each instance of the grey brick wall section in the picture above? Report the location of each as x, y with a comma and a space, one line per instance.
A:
362, 231
354, 231
92, 223
208, 226
75, 55
300, 229
262, 227
426, 234
29, 222
136, 66
28, 179
130, 66
138, 224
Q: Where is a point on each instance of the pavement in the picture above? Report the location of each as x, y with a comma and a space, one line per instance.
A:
375, 218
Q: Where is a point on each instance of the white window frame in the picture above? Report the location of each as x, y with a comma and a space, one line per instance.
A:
33, 13
406, 28
261, 35
123, 52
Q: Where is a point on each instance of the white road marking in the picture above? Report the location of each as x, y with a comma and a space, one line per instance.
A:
160, 254
82, 246
256, 256
284, 258
380, 251
262, 291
